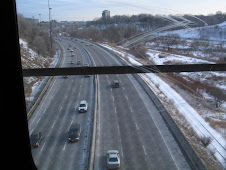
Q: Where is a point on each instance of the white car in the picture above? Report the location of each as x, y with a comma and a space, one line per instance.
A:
83, 106
113, 159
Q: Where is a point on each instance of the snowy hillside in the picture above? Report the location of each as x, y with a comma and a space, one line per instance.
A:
215, 32
30, 59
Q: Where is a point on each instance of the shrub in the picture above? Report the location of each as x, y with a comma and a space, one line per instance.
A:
206, 140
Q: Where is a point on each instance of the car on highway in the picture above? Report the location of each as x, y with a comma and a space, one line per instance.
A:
35, 138
74, 132
113, 159
71, 62
65, 76
83, 106
78, 62
115, 84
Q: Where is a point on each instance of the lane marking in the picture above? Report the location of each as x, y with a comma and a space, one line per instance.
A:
64, 145
121, 151
130, 109
113, 98
31, 132
42, 147
38, 120
115, 110
127, 97
53, 124
42, 102
144, 150
136, 126
71, 122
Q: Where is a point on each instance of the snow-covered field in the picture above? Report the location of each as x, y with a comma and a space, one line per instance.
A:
192, 114
215, 32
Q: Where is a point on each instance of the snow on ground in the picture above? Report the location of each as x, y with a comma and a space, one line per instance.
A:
196, 121
30, 59
160, 58
213, 32
201, 127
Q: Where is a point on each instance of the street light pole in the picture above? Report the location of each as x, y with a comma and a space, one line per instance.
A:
50, 30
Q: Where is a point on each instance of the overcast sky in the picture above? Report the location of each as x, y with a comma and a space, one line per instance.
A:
79, 10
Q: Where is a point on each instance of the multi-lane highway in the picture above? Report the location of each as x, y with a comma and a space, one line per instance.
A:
58, 110
127, 120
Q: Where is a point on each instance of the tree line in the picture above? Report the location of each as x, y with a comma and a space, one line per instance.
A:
37, 37
120, 27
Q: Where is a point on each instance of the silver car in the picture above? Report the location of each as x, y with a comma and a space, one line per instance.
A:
113, 159
83, 106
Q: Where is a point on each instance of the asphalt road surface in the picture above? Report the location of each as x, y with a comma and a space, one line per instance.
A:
127, 119
58, 110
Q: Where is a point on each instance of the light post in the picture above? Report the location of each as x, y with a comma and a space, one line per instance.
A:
50, 30
39, 20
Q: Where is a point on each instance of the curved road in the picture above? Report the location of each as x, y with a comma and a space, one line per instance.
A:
127, 120
57, 111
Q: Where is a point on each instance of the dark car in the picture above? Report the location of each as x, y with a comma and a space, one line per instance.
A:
115, 84
74, 132
36, 138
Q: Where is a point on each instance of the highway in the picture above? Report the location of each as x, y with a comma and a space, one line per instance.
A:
57, 111
127, 119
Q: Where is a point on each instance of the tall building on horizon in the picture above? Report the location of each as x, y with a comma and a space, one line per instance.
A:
106, 14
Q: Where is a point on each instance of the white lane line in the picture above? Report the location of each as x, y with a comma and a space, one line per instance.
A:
42, 147
136, 126
115, 110
64, 145
113, 98
127, 98
53, 124
118, 129
61, 108
45, 109
71, 122
131, 109
41, 106
38, 120
121, 151
144, 150
78, 93
31, 132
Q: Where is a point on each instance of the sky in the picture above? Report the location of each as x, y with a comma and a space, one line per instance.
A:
87, 10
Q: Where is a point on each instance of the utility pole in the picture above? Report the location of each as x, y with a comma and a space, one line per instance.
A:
50, 30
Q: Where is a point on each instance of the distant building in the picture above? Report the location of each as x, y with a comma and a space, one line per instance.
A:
33, 20
106, 14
